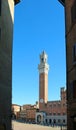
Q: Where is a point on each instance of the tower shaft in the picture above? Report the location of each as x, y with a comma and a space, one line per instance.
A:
43, 87
43, 80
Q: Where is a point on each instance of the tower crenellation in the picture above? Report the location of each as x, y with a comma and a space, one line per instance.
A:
43, 66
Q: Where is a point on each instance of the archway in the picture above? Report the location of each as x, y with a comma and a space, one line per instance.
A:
39, 119
50, 121
54, 121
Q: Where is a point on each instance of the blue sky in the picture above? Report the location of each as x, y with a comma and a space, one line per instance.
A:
38, 25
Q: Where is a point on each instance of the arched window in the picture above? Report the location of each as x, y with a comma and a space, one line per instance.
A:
54, 121
63, 120
59, 120
50, 121
46, 121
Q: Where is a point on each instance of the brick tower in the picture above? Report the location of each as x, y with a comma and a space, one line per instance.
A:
6, 40
70, 27
43, 81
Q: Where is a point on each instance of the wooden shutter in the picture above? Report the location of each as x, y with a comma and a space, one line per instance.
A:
73, 12
70, 90
74, 53
0, 7
74, 89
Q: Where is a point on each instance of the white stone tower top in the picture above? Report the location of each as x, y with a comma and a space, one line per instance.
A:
43, 66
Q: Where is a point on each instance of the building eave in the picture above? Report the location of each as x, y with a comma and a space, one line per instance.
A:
62, 2
16, 1
16, 105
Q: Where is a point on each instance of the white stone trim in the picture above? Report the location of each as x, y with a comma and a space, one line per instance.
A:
43, 68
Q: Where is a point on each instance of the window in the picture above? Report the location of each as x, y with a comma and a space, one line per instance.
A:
72, 90
45, 60
59, 120
74, 53
64, 105
0, 7
64, 98
50, 121
46, 120
58, 113
50, 114
42, 59
50, 105
59, 105
0, 34
63, 120
54, 121
45, 104
54, 114
73, 12
64, 114
54, 105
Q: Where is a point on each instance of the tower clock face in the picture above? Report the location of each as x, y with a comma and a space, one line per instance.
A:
41, 100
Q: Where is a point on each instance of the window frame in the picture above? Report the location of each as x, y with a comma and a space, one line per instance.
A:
74, 54
0, 34
73, 13
59, 120
64, 120
72, 90
0, 6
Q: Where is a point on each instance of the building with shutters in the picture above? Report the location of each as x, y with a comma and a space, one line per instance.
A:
70, 35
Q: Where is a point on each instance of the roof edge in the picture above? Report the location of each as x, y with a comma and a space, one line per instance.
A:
16, 1
62, 2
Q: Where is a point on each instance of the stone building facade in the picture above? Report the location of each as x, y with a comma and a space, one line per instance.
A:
28, 113
6, 39
15, 111
54, 112
70, 35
